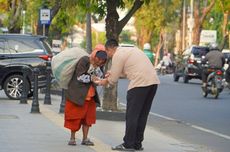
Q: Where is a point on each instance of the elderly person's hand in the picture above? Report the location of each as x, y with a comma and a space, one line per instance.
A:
102, 82
94, 79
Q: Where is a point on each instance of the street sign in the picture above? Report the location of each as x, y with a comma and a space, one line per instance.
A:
208, 36
45, 16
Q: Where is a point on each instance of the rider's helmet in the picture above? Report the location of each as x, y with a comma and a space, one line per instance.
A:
213, 46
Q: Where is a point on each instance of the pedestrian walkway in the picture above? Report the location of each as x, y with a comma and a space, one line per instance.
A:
22, 131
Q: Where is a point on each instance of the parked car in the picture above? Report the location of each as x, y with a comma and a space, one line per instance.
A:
190, 66
226, 53
18, 51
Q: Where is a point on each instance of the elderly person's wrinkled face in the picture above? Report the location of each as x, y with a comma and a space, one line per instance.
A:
99, 59
99, 62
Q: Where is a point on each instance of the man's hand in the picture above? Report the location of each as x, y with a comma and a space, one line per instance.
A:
107, 74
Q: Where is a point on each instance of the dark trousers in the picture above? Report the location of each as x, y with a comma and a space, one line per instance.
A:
205, 74
139, 101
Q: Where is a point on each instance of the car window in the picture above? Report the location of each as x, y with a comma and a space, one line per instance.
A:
226, 55
199, 51
23, 46
47, 47
2, 47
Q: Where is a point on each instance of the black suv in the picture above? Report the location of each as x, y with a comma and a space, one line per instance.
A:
18, 51
190, 67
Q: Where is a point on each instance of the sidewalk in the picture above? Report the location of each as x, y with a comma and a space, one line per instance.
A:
22, 131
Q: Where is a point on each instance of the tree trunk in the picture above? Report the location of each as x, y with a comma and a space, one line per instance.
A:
225, 30
144, 36
225, 23
159, 46
15, 15
113, 29
110, 94
196, 31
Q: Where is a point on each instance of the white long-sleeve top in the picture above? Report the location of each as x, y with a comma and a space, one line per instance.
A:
135, 65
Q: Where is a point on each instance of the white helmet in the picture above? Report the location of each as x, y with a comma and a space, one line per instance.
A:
147, 46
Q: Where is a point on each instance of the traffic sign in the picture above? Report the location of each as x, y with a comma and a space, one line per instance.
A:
45, 16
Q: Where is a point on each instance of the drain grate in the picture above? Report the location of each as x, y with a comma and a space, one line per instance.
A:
8, 117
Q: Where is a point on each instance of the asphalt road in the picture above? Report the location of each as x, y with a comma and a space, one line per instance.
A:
180, 110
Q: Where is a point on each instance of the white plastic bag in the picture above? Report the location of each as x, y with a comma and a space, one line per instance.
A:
63, 64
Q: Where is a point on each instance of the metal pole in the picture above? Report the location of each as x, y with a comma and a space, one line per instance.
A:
183, 32
191, 23
44, 29
35, 103
23, 21
25, 85
47, 99
88, 31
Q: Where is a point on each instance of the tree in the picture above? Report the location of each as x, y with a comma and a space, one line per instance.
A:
225, 7
114, 27
14, 16
199, 17
155, 22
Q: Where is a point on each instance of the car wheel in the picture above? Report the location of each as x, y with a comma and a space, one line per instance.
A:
175, 77
13, 86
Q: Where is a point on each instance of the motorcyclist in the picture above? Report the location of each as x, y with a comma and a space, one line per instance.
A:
215, 59
148, 52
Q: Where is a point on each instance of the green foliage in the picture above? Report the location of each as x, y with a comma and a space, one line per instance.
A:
214, 20
125, 37
158, 15
150, 16
97, 38
63, 21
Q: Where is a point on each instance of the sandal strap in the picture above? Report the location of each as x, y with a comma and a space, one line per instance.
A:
87, 142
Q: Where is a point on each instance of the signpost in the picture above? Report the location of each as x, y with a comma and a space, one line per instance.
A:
44, 18
208, 36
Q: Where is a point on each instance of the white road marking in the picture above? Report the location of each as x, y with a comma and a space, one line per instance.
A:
194, 126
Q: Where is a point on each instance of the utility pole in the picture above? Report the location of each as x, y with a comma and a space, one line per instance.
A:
184, 26
23, 21
88, 31
190, 22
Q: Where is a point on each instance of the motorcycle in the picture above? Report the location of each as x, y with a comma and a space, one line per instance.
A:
162, 69
214, 82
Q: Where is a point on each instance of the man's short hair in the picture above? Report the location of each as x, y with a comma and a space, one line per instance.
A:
111, 43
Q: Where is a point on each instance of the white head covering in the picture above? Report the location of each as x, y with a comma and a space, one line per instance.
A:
147, 46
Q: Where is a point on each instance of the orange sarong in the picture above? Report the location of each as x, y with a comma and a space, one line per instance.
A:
76, 115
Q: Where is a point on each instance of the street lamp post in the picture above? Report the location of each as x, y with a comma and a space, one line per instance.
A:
191, 22
23, 21
183, 27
